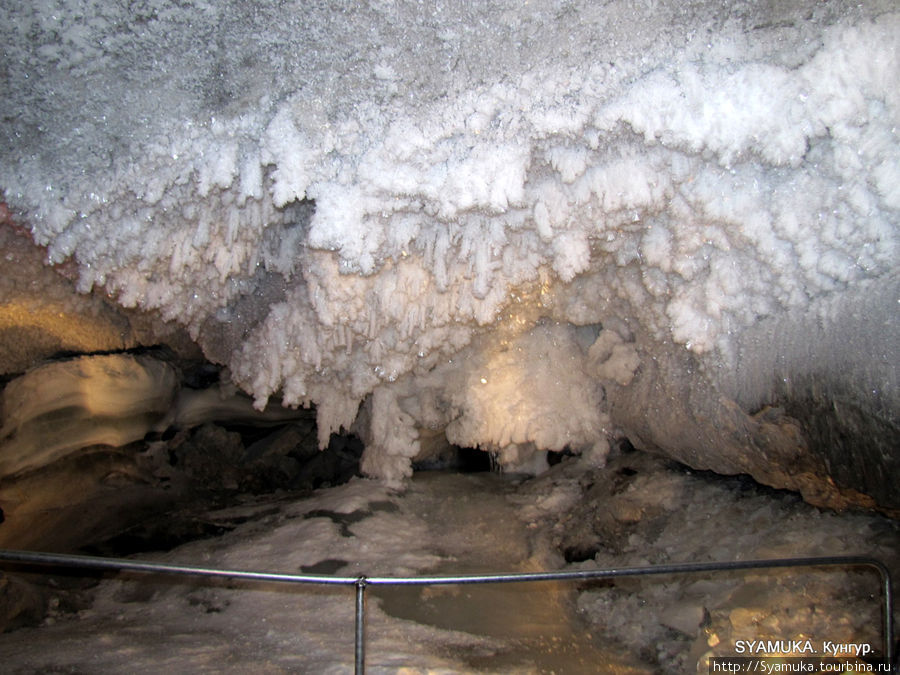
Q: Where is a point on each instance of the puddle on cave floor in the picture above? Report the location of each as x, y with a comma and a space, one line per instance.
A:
538, 633
480, 533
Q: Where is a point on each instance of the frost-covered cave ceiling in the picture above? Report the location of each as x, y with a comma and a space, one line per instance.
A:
524, 226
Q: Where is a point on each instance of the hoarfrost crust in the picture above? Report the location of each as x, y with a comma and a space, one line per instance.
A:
705, 179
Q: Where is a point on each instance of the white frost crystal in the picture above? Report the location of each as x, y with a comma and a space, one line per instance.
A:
706, 172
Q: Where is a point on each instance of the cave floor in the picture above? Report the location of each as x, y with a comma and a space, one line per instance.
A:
637, 511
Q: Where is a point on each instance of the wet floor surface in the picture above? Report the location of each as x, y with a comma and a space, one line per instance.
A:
533, 623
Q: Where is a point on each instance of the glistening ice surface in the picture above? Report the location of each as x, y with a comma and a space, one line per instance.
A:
488, 220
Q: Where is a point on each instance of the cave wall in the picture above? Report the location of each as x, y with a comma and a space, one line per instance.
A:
42, 315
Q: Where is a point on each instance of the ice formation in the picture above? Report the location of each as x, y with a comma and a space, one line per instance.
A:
61, 407
484, 219
109, 399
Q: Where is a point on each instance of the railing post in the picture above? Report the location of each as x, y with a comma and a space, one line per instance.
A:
360, 658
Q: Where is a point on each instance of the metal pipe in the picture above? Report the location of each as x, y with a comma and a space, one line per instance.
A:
360, 659
125, 565
672, 568
119, 564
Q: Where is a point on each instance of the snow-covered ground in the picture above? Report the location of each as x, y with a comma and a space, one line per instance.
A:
640, 511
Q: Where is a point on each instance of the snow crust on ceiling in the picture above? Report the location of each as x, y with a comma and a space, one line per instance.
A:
342, 202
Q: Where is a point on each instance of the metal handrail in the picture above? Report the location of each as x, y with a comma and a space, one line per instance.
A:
361, 582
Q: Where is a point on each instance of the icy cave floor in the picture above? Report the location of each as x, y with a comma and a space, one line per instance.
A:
639, 510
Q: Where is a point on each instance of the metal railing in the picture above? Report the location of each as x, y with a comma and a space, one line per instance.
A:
34, 558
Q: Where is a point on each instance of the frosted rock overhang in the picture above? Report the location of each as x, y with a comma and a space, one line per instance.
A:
521, 227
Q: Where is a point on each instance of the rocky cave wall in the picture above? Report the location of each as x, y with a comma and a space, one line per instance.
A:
519, 229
